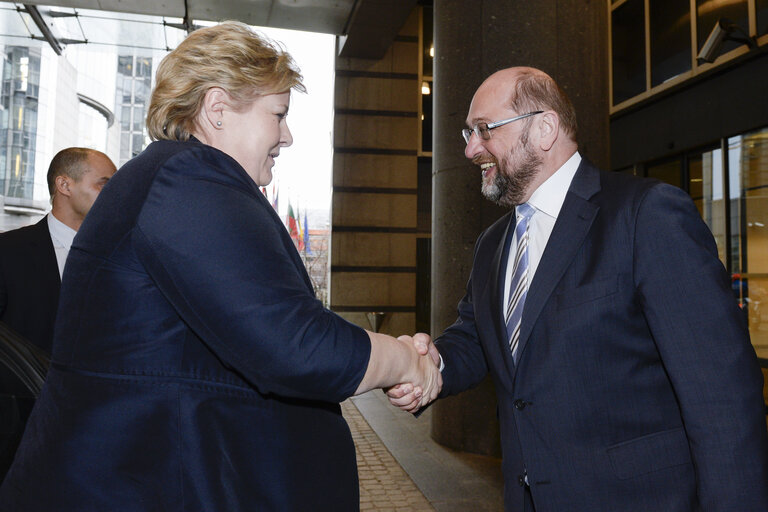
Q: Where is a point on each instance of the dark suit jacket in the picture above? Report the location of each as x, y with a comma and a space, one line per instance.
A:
29, 296
29, 283
193, 368
637, 388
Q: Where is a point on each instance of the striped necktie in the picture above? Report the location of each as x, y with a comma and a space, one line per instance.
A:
518, 287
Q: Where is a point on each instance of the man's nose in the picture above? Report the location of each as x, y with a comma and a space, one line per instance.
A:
473, 146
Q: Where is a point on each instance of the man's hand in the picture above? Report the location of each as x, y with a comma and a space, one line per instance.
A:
409, 396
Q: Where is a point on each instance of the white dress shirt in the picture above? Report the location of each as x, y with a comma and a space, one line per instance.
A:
61, 236
547, 200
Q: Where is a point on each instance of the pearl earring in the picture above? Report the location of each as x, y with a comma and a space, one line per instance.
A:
218, 123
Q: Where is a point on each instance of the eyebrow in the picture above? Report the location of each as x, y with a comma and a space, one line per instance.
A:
476, 120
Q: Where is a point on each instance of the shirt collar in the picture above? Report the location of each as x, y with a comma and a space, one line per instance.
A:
61, 234
550, 195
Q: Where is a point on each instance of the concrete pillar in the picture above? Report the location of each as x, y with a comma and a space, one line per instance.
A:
474, 38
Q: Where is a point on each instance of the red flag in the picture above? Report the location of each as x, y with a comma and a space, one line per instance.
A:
293, 228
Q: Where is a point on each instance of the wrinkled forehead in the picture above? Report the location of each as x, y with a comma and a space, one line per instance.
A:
490, 102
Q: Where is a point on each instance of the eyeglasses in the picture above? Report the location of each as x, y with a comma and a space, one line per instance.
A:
483, 130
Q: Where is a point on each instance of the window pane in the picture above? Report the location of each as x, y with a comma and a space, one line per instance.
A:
709, 12
761, 8
670, 28
138, 118
628, 46
705, 184
125, 65
748, 157
668, 172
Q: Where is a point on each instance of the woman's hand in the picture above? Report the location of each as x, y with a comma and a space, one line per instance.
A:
412, 396
395, 361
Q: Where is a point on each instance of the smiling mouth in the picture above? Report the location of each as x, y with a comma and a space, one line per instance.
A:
485, 167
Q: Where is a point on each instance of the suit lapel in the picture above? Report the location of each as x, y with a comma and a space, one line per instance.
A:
571, 228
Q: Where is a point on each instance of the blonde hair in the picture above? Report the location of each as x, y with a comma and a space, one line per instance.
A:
228, 55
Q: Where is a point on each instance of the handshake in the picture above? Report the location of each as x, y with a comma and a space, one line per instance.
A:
426, 381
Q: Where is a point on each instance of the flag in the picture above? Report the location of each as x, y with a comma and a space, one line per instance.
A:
300, 238
274, 197
292, 225
264, 191
306, 235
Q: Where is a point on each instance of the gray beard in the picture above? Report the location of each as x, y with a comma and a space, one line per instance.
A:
513, 175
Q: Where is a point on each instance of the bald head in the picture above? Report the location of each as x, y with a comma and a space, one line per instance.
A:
528, 89
75, 178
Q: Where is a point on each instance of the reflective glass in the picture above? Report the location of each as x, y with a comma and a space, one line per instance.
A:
670, 28
668, 172
628, 50
705, 184
709, 12
748, 167
761, 9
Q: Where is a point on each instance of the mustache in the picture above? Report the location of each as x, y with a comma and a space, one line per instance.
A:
484, 159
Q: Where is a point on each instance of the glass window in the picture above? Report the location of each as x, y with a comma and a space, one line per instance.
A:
761, 10
709, 12
143, 67
705, 184
748, 160
125, 118
668, 172
138, 143
628, 47
670, 29
138, 118
125, 65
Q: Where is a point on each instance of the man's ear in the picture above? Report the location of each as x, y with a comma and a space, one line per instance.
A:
548, 126
215, 102
62, 185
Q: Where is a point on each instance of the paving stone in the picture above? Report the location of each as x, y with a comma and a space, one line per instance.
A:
384, 485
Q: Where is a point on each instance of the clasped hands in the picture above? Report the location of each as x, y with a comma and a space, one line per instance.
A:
412, 396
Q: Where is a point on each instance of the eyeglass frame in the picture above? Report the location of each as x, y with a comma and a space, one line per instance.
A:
466, 133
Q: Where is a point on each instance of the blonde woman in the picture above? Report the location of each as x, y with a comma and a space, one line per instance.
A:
193, 368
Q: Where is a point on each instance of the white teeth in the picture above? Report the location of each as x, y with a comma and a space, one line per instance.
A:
486, 165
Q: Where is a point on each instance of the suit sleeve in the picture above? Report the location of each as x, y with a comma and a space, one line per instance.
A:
705, 348
217, 253
459, 345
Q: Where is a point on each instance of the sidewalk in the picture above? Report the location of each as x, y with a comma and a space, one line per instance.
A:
402, 469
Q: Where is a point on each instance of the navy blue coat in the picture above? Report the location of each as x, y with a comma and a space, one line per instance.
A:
637, 388
193, 369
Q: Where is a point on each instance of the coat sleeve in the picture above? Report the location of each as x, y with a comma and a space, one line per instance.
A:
705, 348
217, 253
460, 348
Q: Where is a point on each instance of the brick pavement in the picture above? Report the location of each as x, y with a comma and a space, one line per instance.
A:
384, 485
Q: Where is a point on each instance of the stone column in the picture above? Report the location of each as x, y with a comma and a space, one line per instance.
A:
474, 38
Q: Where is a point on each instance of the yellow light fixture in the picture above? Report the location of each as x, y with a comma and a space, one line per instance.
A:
425, 90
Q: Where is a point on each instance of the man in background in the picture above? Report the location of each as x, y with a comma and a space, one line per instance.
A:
31, 265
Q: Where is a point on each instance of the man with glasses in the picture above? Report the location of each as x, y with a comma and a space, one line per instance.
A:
624, 373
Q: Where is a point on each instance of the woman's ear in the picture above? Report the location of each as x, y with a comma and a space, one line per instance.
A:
215, 102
